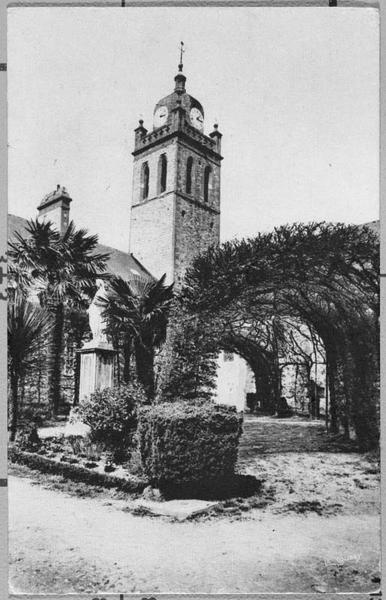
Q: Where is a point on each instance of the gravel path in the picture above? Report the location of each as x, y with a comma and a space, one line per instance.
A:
320, 533
63, 544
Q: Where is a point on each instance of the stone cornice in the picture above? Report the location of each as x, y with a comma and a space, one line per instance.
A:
183, 131
206, 207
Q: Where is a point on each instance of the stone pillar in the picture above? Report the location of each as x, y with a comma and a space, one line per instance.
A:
96, 369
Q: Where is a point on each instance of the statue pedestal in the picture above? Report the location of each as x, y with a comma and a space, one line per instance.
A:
96, 368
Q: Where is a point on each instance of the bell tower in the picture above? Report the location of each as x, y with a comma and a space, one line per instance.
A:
175, 212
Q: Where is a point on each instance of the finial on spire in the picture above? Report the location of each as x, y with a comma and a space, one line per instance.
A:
181, 66
180, 78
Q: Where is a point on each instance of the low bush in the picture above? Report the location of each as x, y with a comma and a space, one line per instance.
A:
85, 447
188, 446
111, 414
35, 414
28, 439
75, 472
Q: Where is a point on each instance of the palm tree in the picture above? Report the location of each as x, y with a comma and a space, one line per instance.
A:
28, 324
63, 268
139, 308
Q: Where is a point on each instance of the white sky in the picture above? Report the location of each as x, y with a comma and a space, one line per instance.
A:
294, 90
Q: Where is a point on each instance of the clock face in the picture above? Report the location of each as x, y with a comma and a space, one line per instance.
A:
160, 116
197, 118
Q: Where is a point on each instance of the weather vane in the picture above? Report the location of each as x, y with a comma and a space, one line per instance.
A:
180, 66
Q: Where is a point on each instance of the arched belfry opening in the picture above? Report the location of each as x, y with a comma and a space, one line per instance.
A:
189, 170
145, 181
162, 173
207, 182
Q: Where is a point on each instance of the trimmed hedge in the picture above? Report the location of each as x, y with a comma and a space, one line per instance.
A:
75, 472
183, 444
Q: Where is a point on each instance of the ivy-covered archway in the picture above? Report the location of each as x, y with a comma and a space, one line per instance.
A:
320, 275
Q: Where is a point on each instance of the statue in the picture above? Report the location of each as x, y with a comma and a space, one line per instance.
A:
95, 318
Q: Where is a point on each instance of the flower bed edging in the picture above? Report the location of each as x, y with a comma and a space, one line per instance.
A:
76, 472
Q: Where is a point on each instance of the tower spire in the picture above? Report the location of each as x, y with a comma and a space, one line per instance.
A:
182, 50
180, 78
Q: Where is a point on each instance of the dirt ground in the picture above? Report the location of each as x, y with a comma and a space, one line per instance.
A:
317, 531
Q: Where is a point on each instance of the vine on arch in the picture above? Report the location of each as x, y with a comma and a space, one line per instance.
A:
247, 295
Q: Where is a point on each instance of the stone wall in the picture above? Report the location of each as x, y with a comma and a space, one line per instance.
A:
197, 223
197, 227
151, 235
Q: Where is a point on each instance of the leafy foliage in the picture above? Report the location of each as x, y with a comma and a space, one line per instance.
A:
60, 269
185, 443
247, 295
111, 414
138, 309
187, 364
62, 266
28, 325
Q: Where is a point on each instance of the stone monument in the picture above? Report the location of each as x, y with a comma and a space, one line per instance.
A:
96, 356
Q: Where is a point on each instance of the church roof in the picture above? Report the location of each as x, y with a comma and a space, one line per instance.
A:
122, 264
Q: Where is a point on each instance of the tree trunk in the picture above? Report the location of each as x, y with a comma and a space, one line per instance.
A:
144, 358
55, 359
296, 387
117, 362
14, 381
275, 367
126, 360
326, 415
365, 392
331, 361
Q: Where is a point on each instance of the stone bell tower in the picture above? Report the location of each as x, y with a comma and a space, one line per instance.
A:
175, 211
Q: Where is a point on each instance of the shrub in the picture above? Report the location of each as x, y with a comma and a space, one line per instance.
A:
33, 415
28, 439
76, 472
111, 414
183, 444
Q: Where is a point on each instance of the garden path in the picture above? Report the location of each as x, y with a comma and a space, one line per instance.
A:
66, 544
62, 543
270, 435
